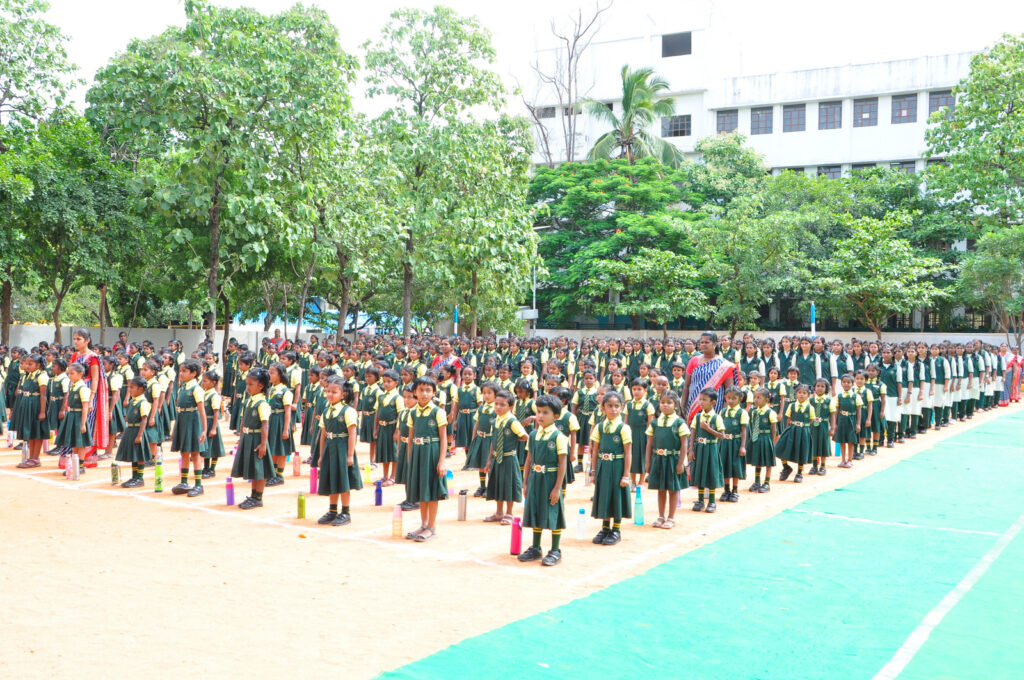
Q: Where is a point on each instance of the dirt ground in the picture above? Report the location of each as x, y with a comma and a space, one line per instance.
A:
99, 581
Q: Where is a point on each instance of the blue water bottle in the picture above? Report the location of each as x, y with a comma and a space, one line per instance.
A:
449, 478
378, 493
638, 508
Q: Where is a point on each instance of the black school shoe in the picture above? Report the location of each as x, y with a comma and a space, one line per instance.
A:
132, 483
275, 481
822, 470
208, 474
764, 488
530, 554
552, 558
799, 478
577, 469
328, 517
754, 488
698, 506
712, 506
250, 503
180, 489
613, 537
480, 492
342, 519
409, 505
601, 535
786, 472
195, 491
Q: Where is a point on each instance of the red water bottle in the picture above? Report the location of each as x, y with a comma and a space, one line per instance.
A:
517, 537
313, 475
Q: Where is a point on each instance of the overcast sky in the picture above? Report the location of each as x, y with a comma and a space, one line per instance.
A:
771, 36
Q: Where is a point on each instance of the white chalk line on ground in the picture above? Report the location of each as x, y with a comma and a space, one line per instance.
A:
906, 653
341, 536
907, 525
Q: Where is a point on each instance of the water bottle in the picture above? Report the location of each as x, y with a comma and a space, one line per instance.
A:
378, 492
314, 474
158, 474
463, 502
296, 465
229, 491
586, 473
396, 522
638, 508
581, 525
449, 478
115, 474
10, 436
302, 505
367, 472
517, 536
75, 464
24, 452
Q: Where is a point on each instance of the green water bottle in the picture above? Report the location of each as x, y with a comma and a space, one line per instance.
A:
115, 474
158, 474
302, 505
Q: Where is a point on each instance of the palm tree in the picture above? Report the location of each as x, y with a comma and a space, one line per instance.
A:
631, 134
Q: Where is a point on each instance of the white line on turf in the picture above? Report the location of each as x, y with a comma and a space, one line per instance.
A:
906, 653
907, 525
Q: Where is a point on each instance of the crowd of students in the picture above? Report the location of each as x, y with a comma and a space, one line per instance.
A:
531, 416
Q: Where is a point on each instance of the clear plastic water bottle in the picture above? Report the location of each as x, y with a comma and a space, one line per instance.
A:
638, 508
581, 524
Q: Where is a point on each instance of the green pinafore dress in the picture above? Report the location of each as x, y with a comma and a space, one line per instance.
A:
760, 447
70, 432
247, 463
636, 418
468, 403
846, 417
611, 499
127, 450
423, 484
538, 513
707, 462
276, 445
336, 475
213, 447
387, 421
505, 481
188, 426
480, 445
734, 466
666, 448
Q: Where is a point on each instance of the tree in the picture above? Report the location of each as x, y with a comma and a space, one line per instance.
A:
981, 138
561, 80
874, 273
434, 67
34, 79
218, 102
631, 136
79, 215
992, 277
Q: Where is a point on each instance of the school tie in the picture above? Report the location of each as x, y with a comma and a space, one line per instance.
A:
499, 443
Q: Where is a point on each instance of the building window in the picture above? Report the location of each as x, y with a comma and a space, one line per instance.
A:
938, 99
904, 108
728, 121
865, 112
909, 167
830, 115
675, 44
830, 171
794, 118
675, 126
861, 166
610, 105
571, 110
544, 111
761, 121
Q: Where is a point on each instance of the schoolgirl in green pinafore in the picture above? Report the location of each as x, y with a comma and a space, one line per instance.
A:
845, 405
255, 410
667, 434
505, 481
794, 444
423, 484
760, 447
154, 432
55, 391
309, 425
167, 410
567, 423
236, 402
468, 400
585, 401
368, 412
638, 415
188, 426
388, 409
482, 426
213, 447
402, 453
707, 461
279, 398
336, 476
546, 447
115, 383
611, 499
135, 416
27, 425
821, 445
525, 409
734, 419
70, 432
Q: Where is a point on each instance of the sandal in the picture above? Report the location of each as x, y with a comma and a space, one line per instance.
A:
28, 463
668, 524
105, 456
658, 523
427, 535
494, 518
506, 520
414, 534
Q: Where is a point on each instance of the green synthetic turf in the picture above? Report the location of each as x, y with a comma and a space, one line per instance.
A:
800, 595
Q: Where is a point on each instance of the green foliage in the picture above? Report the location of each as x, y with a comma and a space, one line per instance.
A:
981, 141
632, 133
874, 273
992, 277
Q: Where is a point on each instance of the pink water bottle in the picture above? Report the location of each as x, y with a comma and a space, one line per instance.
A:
517, 536
296, 465
314, 474
229, 491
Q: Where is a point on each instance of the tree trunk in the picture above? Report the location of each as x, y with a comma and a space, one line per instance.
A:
473, 293
407, 286
664, 331
227, 329
103, 319
284, 311
58, 300
212, 287
5, 308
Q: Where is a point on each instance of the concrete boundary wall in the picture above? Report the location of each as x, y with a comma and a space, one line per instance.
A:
27, 336
845, 336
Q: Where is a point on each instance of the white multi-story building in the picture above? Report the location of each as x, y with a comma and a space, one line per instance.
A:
827, 120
